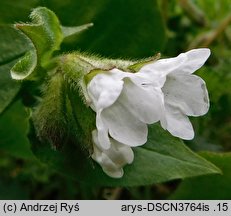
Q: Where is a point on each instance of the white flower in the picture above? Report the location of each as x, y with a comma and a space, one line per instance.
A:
113, 159
165, 91
124, 104
185, 94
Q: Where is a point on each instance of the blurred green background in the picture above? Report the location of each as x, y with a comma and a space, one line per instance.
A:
128, 29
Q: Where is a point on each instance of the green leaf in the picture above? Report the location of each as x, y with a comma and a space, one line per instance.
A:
9, 88
73, 30
14, 126
44, 31
12, 10
162, 159
25, 66
130, 28
13, 44
46, 35
216, 187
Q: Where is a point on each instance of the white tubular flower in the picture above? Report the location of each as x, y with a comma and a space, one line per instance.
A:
124, 107
185, 94
113, 159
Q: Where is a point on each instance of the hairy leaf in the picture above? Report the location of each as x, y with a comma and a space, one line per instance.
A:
46, 35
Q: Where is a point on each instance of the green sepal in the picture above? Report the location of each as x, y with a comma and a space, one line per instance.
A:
88, 77
138, 65
74, 67
63, 115
84, 119
46, 35
50, 117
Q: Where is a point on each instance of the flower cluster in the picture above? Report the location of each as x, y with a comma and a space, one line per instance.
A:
125, 103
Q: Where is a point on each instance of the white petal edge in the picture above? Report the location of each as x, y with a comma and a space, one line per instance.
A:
123, 126
143, 101
162, 67
195, 60
177, 123
113, 159
104, 90
107, 164
103, 136
187, 62
187, 93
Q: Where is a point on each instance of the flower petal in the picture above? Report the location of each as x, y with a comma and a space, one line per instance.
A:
102, 130
104, 90
144, 101
163, 67
123, 125
118, 74
195, 60
178, 124
188, 93
121, 154
187, 62
108, 166
113, 159
145, 78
